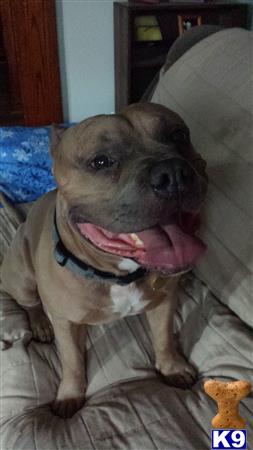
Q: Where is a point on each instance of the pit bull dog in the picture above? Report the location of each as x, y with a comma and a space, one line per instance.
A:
112, 240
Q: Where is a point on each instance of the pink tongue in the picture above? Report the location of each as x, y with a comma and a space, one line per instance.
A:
170, 249
167, 248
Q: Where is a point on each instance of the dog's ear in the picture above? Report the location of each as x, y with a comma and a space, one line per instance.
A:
57, 132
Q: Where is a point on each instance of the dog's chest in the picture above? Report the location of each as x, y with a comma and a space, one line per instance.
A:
127, 300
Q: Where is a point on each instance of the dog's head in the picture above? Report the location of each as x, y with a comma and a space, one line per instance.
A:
123, 177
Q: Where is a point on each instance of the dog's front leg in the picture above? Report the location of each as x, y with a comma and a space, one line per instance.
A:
70, 339
169, 361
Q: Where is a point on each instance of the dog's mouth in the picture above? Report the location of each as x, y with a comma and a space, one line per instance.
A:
169, 249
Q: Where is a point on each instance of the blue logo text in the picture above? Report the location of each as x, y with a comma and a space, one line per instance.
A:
227, 439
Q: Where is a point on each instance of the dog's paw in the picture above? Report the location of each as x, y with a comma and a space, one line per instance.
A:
176, 371
70, 397
67, 407
41, 327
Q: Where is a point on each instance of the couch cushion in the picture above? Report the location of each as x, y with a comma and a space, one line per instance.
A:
142, 412
211, 88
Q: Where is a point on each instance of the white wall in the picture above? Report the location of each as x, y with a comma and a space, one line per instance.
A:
85, 32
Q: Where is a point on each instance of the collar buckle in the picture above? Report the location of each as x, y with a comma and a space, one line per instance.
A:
60, 254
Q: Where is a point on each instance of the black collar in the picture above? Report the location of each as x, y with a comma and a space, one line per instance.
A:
65, 259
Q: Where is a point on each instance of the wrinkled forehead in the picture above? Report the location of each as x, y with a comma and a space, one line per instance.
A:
103, 129
97, 133
154, 121
125, 129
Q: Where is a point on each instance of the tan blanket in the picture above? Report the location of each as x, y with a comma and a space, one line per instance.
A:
128, 406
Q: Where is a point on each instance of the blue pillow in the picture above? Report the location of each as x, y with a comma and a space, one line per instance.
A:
25, 163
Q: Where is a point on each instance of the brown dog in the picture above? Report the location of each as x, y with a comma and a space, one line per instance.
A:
91, 252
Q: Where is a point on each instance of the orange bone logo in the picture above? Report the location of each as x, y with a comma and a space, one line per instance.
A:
227, 395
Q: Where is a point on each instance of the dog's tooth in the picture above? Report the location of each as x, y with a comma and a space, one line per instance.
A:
138, 242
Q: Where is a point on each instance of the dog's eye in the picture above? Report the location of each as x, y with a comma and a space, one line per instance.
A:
101, 162
179, 136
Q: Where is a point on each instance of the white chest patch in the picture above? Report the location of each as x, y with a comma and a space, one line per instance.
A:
128, 264
127, 300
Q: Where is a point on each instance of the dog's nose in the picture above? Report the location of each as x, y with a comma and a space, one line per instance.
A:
171, 177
